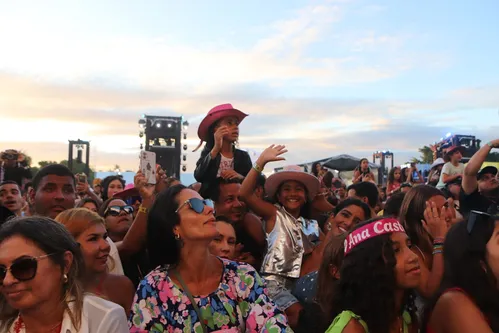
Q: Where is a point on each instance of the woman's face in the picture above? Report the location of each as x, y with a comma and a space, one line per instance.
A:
364, 164
407, 270
95, 248
397, 174
318, 167
90, 206
492, 252
440, 203
114, 187
121, 223
194, 226
224, 245
232, 124
47, 284
292, 195
347, 218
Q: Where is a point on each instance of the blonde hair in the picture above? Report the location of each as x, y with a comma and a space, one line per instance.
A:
78, 220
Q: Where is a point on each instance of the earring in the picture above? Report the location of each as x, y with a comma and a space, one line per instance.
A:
177, 237
65, 278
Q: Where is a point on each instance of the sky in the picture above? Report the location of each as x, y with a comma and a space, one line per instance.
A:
322, 77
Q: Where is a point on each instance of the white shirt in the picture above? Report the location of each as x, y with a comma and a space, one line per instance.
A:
450, 170
98, 316
225, 164
114, 266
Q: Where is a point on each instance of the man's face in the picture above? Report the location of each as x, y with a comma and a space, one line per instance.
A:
456, 156
10, 197
228, 203
54, 195
487, 183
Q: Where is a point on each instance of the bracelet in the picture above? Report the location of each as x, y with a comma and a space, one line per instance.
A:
437, 252
257, 168
143, 209
490, 144
438, 240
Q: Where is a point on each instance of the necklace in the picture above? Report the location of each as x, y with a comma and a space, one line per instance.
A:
19, 326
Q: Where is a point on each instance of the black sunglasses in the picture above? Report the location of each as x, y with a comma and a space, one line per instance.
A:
477, 217
116, 210
22, 269
197, 205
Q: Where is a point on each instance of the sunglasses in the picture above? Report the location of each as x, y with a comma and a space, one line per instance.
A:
197, 205
116, 210
22, 269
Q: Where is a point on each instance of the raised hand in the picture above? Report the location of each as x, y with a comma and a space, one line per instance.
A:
219, 136
273, 154
434, 221
140, 182
230, 174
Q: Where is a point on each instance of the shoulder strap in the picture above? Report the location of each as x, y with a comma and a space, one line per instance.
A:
340, 322
193, 302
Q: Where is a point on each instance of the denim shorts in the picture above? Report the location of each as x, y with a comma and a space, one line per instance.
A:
279, 290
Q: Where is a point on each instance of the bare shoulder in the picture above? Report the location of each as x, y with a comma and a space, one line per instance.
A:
456, 312
119, 282
354, 326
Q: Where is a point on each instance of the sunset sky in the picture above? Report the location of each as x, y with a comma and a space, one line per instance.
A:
322, 77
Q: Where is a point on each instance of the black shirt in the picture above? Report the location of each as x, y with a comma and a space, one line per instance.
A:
474, 201
16, 174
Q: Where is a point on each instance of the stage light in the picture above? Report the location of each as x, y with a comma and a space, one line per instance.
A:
184, 158
185, 147
185, 125
185, 136
142, 123
141, 134
184, 168
169, 125
141, 146
158, 124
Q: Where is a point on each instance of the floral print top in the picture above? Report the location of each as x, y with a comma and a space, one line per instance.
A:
240, 304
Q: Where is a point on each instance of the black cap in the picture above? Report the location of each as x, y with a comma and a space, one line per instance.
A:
487, 170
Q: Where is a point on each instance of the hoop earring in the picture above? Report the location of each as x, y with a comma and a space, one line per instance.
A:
65, 278
177, 237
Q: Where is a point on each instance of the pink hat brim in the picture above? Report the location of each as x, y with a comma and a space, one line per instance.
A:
213, 117
310, 182
131, 192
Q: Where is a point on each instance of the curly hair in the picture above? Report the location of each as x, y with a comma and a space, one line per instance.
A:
371, 261
464, 258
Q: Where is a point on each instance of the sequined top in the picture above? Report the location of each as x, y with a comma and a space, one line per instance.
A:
287, 243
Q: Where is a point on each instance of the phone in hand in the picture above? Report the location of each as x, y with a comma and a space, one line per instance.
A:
148, 166
82, 178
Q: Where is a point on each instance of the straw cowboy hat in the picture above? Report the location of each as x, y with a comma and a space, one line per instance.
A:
295, 173
215, 114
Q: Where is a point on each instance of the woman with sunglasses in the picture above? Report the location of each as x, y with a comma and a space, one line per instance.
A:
119, 217
89, 230
41, 268
468, 300
191, 289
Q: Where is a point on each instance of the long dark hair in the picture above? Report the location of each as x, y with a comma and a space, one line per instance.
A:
105, 185
210, 141
162, 246
391, 175
367, 284
466, 268
314, 169
412, 212
359, 167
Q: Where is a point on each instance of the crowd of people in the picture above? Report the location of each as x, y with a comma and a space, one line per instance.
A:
240, 252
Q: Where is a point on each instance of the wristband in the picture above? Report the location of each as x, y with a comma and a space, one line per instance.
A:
257, 168
437, 252
143, 209
438, 240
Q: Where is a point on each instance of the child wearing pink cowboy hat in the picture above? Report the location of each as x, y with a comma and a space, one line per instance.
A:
220, 158
291, 234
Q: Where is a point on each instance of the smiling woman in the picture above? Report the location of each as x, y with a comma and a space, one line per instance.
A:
191, 288
41, 269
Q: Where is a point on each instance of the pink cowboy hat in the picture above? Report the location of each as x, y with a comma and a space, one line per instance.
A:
295, 173
215, 114
129, 191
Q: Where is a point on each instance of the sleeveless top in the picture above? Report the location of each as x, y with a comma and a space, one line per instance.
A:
287, 243
340, 322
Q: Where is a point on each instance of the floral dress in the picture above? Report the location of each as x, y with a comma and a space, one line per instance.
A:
240, 304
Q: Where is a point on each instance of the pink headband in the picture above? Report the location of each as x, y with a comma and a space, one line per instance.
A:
377, 228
